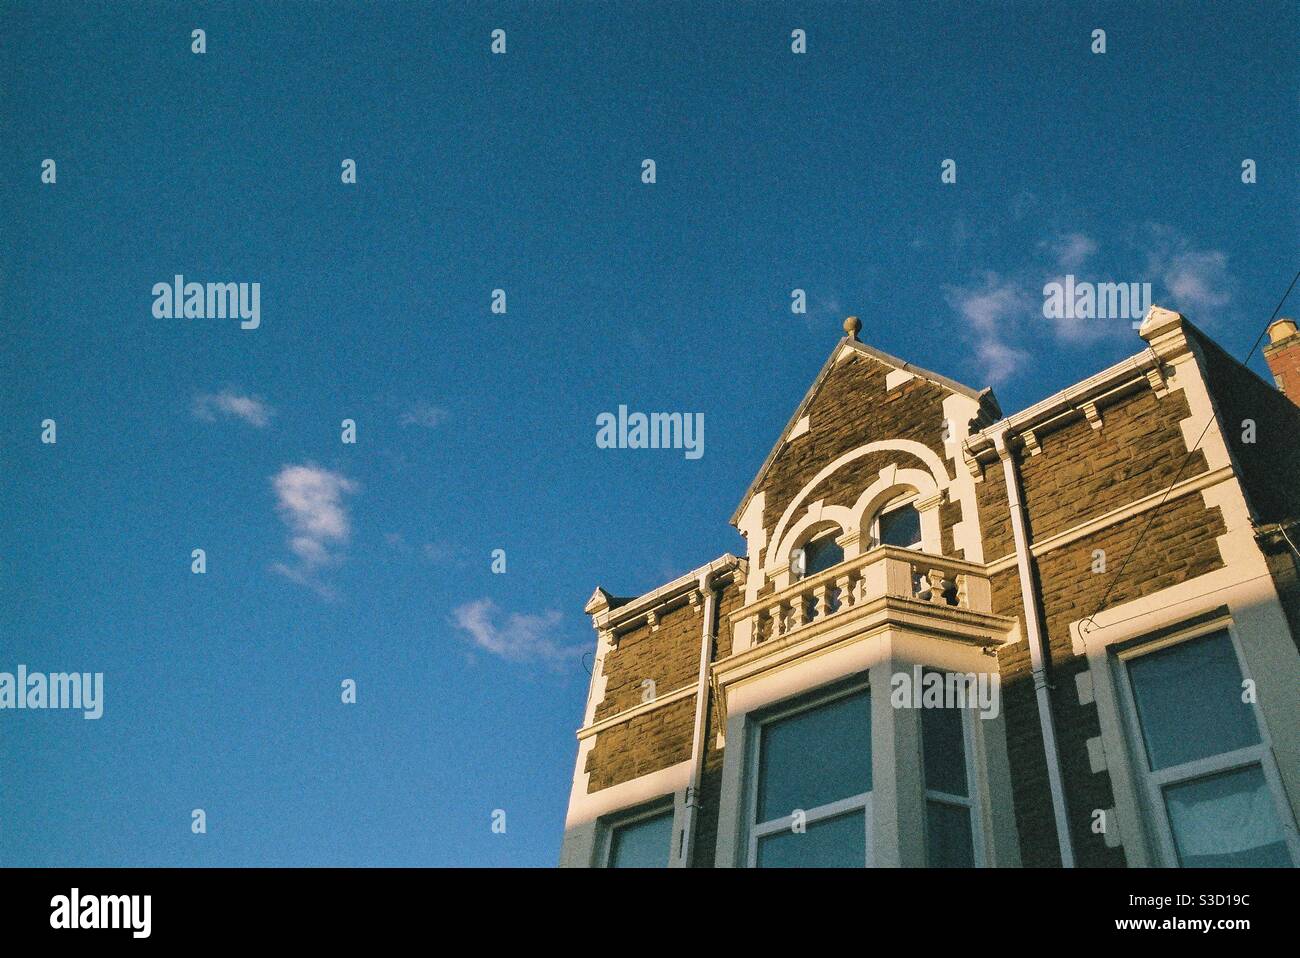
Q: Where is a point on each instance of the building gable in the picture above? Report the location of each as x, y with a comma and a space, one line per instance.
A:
869, 421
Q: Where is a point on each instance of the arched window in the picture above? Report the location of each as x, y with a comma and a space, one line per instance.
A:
898, 524
818, 555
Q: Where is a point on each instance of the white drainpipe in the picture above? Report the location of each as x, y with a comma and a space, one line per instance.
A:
1037, 660
687, 844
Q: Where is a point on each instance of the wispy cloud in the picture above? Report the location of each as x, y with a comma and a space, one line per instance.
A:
424, 415
516, 638
228, 402
992, 310
1071, 250
1196, 280
1003, 312
309, 500
437, 552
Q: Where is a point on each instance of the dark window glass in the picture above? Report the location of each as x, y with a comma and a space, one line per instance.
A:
815, 757
901, 527
820, 554
948, 836
645, 843
1227, 821
943, 740
839, 842
1189, 701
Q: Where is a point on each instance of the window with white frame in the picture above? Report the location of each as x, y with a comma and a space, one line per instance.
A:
641, 840
898, 524
951, 825
810, 784
1211, 784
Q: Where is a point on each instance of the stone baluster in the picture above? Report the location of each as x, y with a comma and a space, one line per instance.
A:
820, 608
935, 579
846, 600
774, 615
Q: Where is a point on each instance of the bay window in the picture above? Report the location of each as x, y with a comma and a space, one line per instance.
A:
810, 795
950, 833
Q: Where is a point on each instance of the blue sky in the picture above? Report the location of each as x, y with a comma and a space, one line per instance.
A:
475, 431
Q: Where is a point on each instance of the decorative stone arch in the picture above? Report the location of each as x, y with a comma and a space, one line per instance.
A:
811, 522
891, 484
929, 486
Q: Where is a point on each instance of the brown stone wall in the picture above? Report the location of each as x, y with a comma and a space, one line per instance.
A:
949, 516
995, 513
1083, 472
706, 836
670, 656
850, 409
733, 597
643, 744
1179, 545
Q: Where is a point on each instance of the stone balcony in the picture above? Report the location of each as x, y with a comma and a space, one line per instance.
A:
935, 593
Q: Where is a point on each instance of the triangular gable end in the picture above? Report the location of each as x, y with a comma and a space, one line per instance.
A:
844, 348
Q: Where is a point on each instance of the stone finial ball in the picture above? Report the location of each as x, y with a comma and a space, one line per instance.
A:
852, 326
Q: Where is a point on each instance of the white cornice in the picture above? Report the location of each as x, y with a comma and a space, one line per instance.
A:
679, 588
1166, 334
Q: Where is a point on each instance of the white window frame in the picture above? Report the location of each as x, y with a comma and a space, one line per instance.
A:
862, 801
910, 499
664, 805
970, 802
1152, 784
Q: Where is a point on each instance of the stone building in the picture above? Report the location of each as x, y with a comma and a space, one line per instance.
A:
1066, 636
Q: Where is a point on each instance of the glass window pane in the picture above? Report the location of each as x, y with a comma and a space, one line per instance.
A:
943, 741
820, 554
642, 844
949, 841
816, 757
1189, 701
901, 527
839, 842
1227, 821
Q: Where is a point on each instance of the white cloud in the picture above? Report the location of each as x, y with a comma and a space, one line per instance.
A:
251, 409
1003, 313
424, 415
309, 500
993, 311
1198, 279
520, 638
1071, 250
1195, 280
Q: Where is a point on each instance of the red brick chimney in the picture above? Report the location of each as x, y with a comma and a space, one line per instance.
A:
1283, 356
